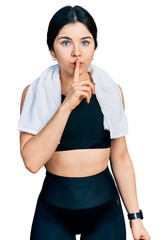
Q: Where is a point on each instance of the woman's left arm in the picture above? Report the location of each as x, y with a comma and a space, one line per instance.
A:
123, 171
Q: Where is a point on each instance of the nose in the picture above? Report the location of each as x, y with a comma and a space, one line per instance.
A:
76, 51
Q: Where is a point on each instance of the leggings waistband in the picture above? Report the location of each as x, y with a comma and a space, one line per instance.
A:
78, 192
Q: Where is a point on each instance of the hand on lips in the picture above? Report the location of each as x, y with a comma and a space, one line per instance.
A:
74, 64
76, 75
80, 88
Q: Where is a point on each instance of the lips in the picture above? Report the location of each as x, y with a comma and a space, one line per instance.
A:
74, 64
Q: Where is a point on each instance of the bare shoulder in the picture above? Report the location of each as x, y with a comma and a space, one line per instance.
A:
122, 96
24, 136
23, 97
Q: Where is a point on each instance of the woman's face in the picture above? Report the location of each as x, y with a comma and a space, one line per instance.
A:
74, 40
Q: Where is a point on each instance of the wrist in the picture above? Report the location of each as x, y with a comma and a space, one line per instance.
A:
65, 109
137, 220
136, 215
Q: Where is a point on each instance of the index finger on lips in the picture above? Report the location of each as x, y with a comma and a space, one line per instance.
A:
76, 72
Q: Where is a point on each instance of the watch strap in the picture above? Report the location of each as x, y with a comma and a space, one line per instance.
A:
135, 215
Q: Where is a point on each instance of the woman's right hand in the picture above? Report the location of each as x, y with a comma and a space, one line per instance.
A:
79, 89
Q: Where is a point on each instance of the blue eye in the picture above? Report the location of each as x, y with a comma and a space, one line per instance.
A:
65, 42
86, 44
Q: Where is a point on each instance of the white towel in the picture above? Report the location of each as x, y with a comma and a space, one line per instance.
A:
43, 98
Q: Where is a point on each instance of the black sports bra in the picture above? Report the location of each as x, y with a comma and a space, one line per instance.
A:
84, 127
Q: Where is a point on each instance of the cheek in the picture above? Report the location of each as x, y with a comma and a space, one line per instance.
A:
61, 51
89, 52
89, 56
62, 54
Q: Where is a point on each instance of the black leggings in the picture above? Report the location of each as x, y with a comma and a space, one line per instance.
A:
89, 206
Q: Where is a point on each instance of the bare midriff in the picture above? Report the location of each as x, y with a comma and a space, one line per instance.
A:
78, 162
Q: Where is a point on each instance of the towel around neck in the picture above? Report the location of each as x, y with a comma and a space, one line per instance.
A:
43, 98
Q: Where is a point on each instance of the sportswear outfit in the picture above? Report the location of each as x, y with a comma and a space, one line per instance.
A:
88, 205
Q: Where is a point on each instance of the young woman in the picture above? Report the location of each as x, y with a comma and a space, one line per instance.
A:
79, 195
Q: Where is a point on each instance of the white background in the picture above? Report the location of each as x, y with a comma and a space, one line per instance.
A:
133, 49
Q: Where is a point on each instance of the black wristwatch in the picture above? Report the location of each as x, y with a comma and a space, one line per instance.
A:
135, 215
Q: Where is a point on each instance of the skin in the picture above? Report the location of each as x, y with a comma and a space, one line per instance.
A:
66, 51
85, 162
78, 162
119, 157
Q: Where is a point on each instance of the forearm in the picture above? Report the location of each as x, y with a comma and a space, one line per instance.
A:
38, 150
124, 174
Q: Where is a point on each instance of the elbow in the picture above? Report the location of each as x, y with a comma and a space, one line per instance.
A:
123, 162
30, 167
29, 163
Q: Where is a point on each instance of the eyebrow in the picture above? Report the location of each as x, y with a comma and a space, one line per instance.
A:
71, 39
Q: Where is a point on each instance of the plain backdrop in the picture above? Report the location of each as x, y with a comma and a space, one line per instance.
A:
133, 49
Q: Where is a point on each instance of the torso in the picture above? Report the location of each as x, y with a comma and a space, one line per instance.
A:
78, 162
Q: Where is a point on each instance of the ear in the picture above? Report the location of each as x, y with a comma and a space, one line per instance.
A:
52, 53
